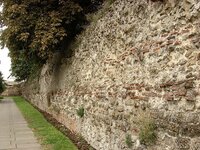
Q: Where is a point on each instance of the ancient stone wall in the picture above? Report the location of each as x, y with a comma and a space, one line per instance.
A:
140, 61
13, 90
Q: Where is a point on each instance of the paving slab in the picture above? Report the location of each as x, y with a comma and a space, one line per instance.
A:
29, 141
28, 145
14, 132
5, 146
30, 148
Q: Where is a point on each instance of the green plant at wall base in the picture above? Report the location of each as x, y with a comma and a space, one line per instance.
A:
129, 141
80, 112
56, 109
147, 133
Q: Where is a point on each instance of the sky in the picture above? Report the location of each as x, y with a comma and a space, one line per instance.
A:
5, 61
5, 64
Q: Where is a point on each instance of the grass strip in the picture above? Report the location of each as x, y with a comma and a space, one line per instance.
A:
49, 136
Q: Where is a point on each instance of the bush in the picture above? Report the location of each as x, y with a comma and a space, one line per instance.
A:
2, 83
1, 97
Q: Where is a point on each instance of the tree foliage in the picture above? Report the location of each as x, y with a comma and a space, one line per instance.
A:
35, 29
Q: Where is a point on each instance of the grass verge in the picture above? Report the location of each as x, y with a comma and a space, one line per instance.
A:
49, 136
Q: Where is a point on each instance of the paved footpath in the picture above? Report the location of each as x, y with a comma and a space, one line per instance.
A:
14, 131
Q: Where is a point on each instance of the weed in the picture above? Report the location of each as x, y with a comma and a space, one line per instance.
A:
129, 141
147, 133
56, 109
80, 112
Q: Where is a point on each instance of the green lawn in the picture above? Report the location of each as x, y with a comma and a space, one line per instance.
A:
49, 136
